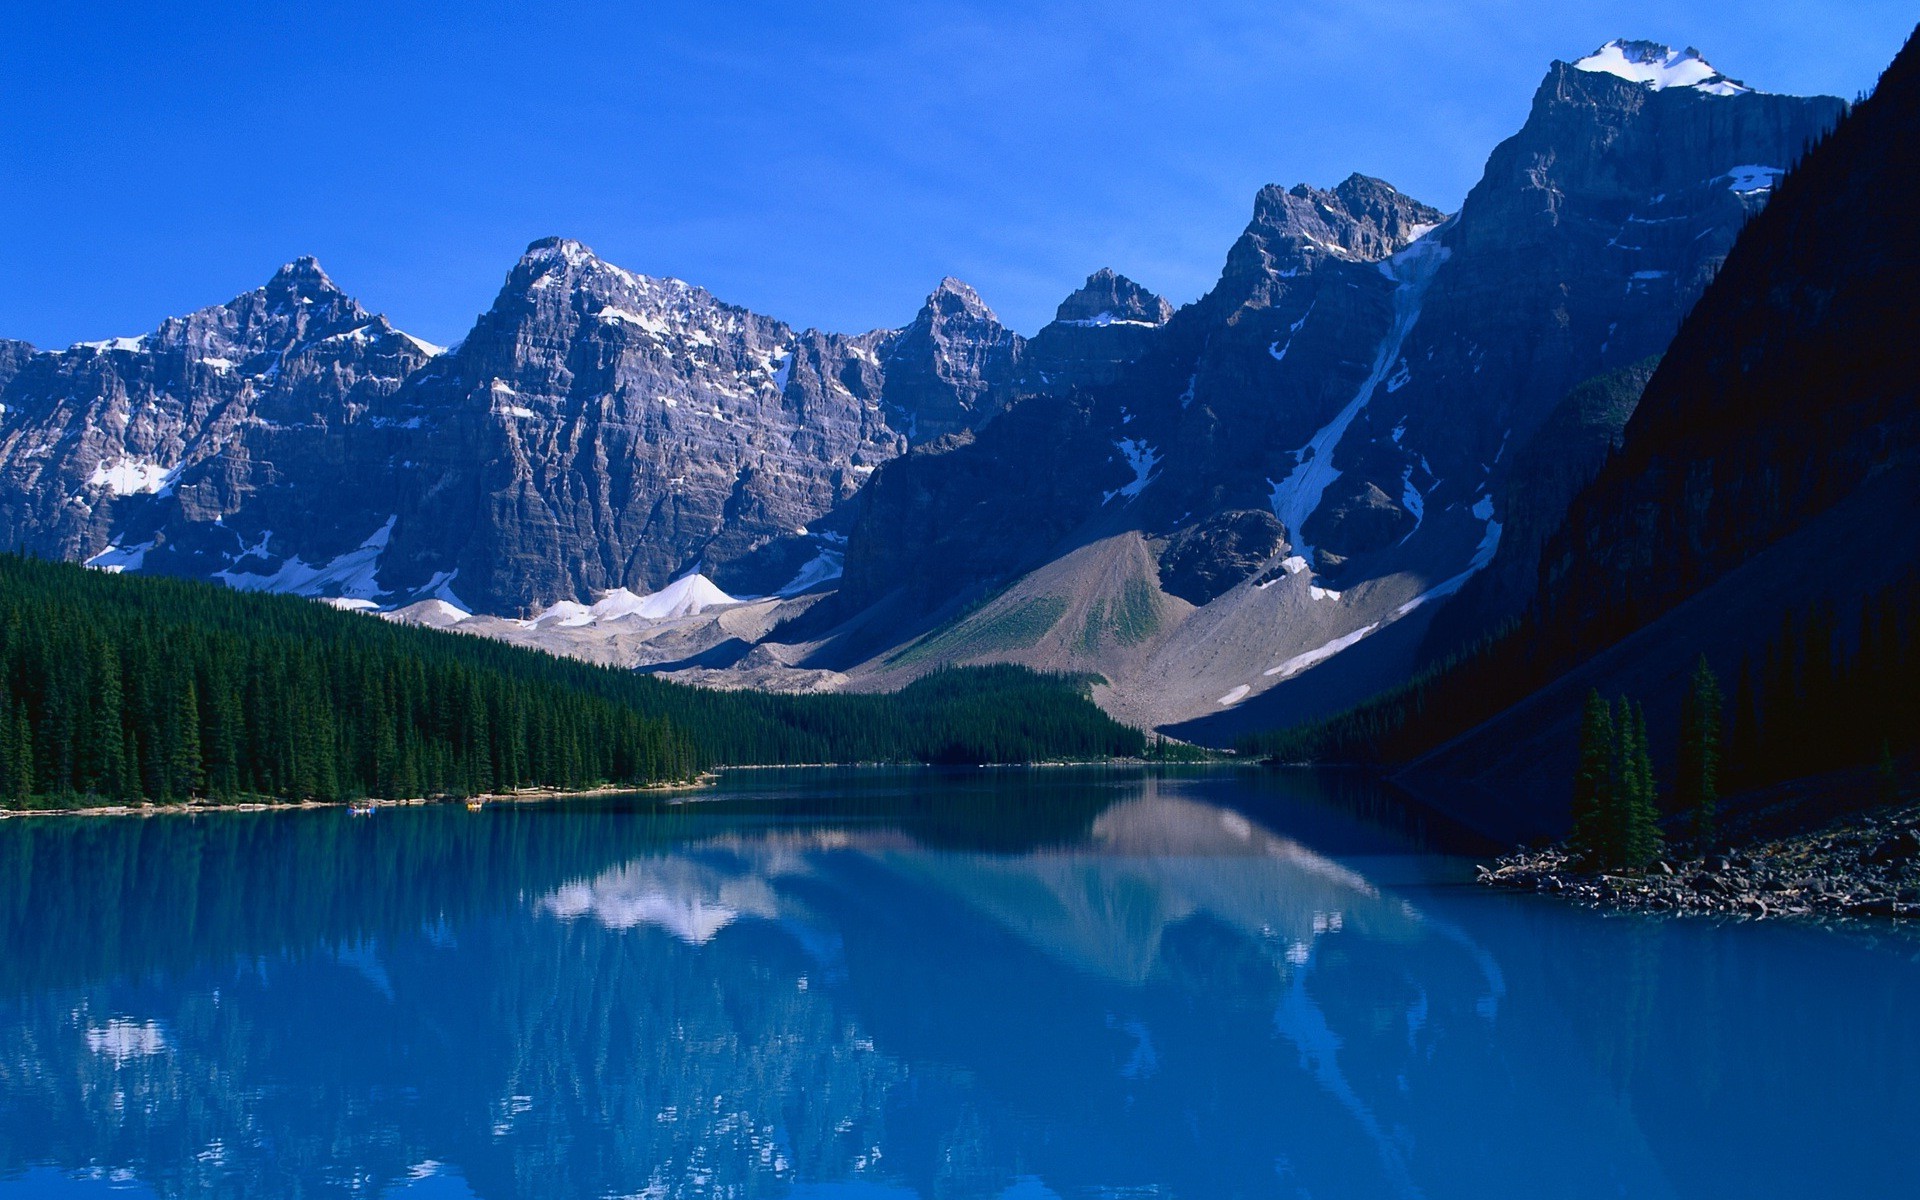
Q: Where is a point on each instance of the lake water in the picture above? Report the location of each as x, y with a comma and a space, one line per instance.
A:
882, 985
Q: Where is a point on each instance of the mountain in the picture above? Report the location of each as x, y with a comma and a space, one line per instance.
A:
1238, 513
596, 430
1257, 516
951, 369
143, 446
1756, 512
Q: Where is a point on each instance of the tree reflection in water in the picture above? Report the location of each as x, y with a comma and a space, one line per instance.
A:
1203, 984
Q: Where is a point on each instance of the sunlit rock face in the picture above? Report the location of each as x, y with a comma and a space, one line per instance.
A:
149, 449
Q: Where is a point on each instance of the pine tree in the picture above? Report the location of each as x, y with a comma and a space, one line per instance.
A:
1697, 782
1638, 801
9, 763
106, 744
183, 762
1593, 840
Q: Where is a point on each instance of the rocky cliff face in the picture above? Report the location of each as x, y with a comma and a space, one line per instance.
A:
1097, 335
1562, 457
1791, 384
599, 429
136, 451
596, 430
1363, 374
950, 370
1589, 237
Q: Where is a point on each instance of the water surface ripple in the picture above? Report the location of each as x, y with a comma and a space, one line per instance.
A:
880, 985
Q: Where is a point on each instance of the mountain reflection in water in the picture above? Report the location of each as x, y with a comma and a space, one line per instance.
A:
904, 984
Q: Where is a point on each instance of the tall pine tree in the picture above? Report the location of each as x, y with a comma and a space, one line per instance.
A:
1593, 838
1697, 779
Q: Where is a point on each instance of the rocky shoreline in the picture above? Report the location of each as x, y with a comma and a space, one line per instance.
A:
144, 808
1865, 866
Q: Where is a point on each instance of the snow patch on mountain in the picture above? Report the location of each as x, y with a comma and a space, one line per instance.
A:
1102, 320
129, 345
115, 559
1482, 555
684, 597
1295, 497
1659, 67
823, 567
1750, 178
1278, 350
1319, 654
653, 325
1143, 459
350, 575
133, 477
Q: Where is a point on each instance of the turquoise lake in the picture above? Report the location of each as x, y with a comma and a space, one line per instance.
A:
894, 984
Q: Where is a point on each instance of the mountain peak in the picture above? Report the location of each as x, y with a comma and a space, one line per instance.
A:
1659, 67
1108, 298
954, 297
1360, 219
558, 250
302, 276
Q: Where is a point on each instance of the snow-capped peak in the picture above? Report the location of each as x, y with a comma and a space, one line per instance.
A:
1659, 67
558, 249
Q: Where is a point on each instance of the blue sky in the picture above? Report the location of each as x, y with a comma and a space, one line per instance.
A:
826, 164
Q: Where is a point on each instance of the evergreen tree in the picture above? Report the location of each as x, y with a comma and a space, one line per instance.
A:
1628, 815
1637, 798
106, 744
1593, 840
15, 775
1697, 782
183, 762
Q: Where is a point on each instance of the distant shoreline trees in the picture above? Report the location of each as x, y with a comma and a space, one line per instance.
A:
1616, 805
1616, 802
125, 688
1819, 695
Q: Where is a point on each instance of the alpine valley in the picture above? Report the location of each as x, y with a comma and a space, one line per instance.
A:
646, 749
1338, 466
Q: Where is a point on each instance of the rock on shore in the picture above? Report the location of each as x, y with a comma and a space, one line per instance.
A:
1860, 866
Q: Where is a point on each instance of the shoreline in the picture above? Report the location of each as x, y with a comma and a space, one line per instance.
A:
706, 779
1866, 865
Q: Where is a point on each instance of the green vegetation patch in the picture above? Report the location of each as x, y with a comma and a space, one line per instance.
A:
1128, 619
1136, 614
1015, 627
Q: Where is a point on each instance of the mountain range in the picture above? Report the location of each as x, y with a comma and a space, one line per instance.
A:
1340, 463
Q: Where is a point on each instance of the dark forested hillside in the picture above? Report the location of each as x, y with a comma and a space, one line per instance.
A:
1765, 470
1793, 380
118, 687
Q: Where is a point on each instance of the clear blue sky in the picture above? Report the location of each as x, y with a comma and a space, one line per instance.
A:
825, 164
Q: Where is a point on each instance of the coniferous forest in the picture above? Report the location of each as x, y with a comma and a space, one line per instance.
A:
1829, 690
117, 687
